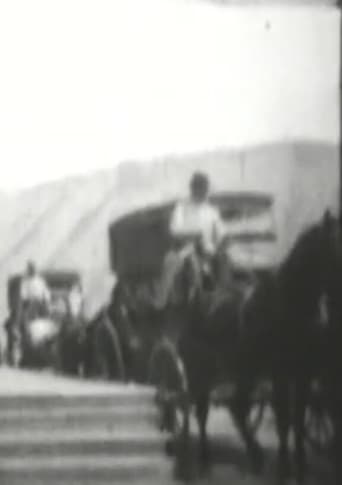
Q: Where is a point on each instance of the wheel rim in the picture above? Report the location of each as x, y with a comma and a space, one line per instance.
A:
319, 430
256, 415
167, 374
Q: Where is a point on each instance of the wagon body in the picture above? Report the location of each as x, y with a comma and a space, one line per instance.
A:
139, 241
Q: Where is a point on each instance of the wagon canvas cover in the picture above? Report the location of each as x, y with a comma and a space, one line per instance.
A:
139, 241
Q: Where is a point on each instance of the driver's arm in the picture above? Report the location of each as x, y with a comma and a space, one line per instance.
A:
178, 229
221, 233
46, 292
23, 290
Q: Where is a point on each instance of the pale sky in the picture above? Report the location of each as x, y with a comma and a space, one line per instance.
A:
89, 83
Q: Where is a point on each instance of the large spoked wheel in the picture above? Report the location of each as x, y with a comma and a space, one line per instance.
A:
167, 373
28, 358
14, 348
108, 358
256, 415
260, 401
72, 346
318, 425
224, 395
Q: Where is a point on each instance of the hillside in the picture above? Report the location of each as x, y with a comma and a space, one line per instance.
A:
64, 224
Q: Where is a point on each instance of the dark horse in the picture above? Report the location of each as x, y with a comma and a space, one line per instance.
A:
273, 333
332, 370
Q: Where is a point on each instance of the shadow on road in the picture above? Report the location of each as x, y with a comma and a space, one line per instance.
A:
230, 463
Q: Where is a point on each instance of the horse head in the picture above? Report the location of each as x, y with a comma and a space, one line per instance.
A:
331, 252
331, 257
311, 267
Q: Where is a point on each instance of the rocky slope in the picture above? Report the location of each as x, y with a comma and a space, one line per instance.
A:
64, 224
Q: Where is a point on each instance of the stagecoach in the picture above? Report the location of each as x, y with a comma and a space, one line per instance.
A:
139, 242
146, 337
40, 338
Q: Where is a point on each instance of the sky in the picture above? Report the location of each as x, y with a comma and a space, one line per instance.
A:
86, 84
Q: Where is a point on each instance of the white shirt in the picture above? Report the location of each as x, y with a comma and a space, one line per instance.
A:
75, 302
34, 288
202, 218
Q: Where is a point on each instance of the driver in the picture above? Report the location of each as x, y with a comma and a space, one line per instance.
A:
34, 292
197, 225
75, 301
198, 230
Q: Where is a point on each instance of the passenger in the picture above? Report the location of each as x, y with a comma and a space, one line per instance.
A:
34, 292
76, 301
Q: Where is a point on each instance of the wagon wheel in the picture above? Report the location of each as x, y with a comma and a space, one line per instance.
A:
256, 415
319, 429
55, 355
108, 354
14, 348
225, 395
71, 343
167, 373
16, 354
260, 401
27, 356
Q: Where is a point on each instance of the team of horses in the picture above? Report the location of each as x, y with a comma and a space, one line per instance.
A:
274, 332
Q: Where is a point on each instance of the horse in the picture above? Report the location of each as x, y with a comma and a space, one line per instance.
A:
281, 337
273, 333
207, 345
331, 375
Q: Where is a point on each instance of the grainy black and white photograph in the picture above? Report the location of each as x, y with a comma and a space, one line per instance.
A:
170, 242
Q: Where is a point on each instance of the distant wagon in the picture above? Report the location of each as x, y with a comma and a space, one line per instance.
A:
44, 340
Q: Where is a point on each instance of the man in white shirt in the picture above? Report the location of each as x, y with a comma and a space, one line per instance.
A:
195, 220
197, 227
34, 291
76, 301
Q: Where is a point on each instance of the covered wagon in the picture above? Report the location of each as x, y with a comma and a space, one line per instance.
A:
34, 339
139, 242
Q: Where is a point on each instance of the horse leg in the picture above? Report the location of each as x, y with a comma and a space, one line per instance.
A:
183, 459
337, 449
336, 413
239, 408
281, 404
302, 388
202, 410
